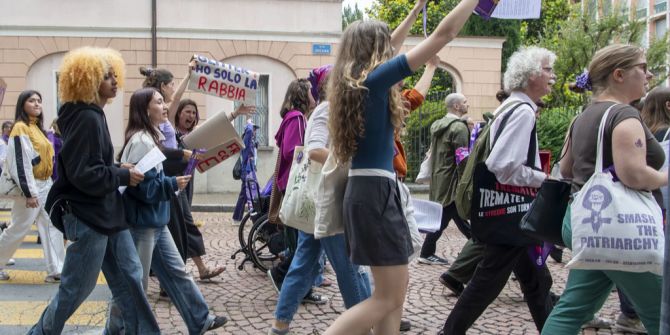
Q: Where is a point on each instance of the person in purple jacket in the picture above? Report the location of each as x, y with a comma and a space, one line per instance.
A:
298, 103
53, 135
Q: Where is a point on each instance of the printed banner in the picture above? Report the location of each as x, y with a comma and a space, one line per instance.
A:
223, 80
218, 138
509, 9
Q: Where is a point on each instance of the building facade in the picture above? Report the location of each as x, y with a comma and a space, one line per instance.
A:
281, 39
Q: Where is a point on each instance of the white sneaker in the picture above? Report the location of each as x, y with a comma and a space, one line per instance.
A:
237, 222
11, 261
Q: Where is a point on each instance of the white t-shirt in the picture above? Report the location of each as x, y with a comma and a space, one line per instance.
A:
317, 134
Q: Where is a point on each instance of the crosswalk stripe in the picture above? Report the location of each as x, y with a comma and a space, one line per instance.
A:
29, 253
25, 313
23, 277
30, 239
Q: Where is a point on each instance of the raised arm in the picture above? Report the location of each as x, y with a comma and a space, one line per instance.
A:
423, 85
178, 93
446, 31
400, 33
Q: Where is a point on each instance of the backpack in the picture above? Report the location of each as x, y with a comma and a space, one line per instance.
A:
480, 152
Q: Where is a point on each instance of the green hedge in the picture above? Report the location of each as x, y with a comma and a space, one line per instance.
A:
416, 137
552, 125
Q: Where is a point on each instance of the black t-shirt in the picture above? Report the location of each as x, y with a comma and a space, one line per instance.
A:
584, 140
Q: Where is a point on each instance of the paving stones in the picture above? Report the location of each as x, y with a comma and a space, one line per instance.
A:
248, 299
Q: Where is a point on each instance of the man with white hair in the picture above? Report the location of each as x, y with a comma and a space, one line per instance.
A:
529, 77
446, 135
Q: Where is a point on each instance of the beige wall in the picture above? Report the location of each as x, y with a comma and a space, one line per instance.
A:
273, 37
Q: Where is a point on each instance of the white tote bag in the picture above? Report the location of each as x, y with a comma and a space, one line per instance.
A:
329, 198
408, 209
615, 227
426, 170
297, 208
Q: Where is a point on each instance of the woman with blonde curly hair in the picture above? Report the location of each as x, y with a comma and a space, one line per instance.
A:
84, 203
365, 109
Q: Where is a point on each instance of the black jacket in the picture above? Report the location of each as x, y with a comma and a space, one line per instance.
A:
88, 179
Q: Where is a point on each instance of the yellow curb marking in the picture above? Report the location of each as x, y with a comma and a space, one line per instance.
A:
25, 313
23, 277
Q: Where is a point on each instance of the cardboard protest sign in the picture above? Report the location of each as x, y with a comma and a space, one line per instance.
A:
223, 80
3, 88
218, 138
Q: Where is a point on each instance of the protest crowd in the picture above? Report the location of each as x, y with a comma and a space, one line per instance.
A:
338, 190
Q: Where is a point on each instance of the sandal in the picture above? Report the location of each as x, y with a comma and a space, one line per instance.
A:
209, 273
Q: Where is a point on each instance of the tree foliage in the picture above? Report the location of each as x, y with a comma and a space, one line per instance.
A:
350, 15
394, 11
576, 40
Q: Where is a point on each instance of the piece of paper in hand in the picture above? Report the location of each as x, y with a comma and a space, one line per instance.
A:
428, 215
518, 9
148, 162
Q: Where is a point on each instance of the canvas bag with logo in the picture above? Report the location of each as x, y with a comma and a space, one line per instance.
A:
297, 208
615, 227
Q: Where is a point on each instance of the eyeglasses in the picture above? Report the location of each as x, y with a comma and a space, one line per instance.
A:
643, 66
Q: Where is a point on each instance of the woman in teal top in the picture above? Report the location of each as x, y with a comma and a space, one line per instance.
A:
365, 109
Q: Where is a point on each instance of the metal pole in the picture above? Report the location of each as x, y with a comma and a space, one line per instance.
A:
154, 43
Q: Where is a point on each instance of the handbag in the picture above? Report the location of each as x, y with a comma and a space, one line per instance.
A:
496, 209
426, 170
298, 208
330, 197
615, 227
276, 196
237, 169
544, 219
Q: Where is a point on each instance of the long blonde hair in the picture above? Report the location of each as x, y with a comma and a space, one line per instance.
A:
365, 45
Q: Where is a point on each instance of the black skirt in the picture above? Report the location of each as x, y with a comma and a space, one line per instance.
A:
374, 224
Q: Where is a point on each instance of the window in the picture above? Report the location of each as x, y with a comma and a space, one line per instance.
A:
660, 6
261, 117
661, 27
645, 37
58, 103
642, 8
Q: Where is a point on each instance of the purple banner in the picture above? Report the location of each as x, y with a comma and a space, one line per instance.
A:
192, 162
485, 8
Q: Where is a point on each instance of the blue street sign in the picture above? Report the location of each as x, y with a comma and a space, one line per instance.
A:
320, 49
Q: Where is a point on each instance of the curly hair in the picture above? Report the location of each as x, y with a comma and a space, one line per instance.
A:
297, 97
523, 64
84, 69
364, 46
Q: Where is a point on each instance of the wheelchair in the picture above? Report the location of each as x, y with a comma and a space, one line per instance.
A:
261, 242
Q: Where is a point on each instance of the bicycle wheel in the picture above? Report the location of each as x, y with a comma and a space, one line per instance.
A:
262, 234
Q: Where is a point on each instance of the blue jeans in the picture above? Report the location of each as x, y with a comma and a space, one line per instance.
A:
354, 284
156, 247
89, 252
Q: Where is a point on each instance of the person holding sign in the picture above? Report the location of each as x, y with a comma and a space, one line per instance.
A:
185, 116
365, 109
147, 212
84, 203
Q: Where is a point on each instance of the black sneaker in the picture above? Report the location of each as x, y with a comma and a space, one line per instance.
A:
405, 325
315, 299
218, 322
433, 260
452, 284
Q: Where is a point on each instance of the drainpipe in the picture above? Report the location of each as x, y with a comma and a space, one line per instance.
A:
154, 43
